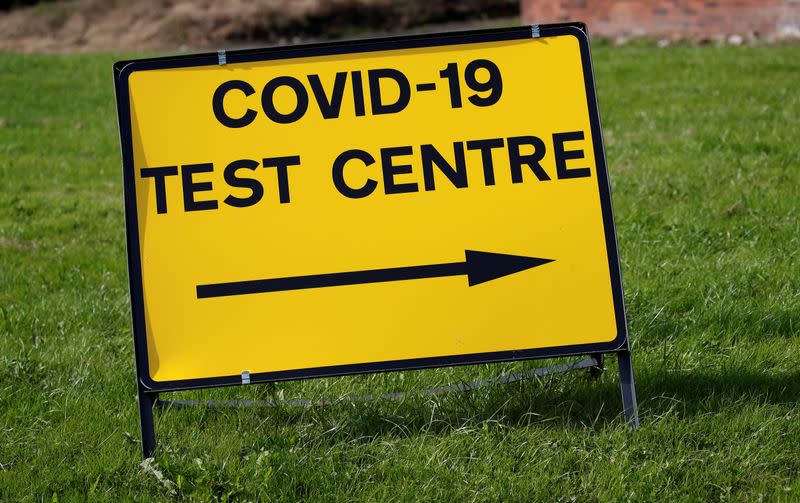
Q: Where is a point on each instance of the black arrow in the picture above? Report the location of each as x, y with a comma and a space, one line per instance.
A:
479, 267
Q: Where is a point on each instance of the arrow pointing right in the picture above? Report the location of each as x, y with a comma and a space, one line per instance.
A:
486, 266
479, 267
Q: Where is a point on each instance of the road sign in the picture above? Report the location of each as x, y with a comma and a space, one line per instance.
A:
366, 206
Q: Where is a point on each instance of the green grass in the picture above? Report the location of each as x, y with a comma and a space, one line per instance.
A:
704, 154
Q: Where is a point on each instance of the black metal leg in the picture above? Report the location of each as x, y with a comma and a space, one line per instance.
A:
628, 389
146, 422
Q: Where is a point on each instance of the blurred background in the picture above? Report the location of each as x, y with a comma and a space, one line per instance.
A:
170, 25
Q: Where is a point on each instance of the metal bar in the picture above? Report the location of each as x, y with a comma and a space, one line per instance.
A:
628, 388
399, 395
146, 424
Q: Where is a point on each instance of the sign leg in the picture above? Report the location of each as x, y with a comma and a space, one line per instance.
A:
628, 389
146, 422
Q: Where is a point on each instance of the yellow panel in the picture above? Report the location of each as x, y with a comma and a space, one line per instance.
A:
565, 302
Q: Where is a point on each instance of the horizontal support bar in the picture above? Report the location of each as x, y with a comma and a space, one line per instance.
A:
397, 395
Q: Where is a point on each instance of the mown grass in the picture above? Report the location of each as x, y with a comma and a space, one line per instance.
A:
704, 151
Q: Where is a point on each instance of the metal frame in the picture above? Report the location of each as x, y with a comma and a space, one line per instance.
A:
594, 364
148, 389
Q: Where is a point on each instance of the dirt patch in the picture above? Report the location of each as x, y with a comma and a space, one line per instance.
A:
106, 25
18, 244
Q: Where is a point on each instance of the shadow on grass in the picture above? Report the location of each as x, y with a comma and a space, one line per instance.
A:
715, 390
575, 402
569, 401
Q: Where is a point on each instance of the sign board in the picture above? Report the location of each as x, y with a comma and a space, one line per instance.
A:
366, 206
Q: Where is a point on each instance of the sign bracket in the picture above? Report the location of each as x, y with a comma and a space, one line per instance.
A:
597, 370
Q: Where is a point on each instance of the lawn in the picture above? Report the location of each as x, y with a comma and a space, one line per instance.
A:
704, 154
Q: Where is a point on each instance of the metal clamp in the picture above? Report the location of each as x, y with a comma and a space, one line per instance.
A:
535, 31
245, 377
221, 58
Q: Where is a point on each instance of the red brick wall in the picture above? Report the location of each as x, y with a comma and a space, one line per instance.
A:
671, 18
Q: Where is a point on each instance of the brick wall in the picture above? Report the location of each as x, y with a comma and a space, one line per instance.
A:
671, 18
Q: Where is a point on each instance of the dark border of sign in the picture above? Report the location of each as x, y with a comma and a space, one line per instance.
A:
122, 71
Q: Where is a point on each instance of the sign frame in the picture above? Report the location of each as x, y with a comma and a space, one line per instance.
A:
148, 388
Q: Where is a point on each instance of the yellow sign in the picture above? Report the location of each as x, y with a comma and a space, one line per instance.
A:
367, 206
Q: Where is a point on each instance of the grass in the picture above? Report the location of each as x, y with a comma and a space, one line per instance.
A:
703, 148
